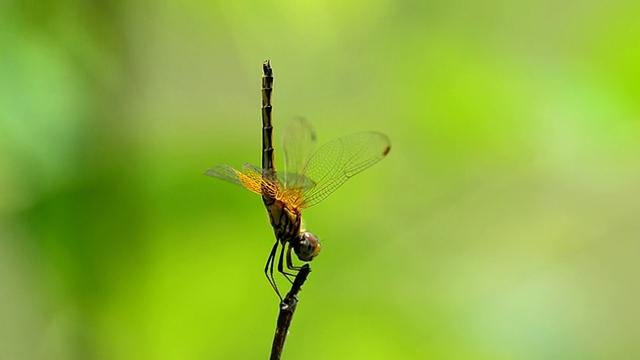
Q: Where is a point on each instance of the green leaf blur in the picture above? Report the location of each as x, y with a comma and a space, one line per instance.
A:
502, 225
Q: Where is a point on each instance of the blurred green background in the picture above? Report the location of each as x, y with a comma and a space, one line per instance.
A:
502, 225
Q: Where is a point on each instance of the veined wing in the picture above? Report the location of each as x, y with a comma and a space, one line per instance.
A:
338, 160
250, 178
298, 142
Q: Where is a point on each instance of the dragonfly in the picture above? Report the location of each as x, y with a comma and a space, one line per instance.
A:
309, 177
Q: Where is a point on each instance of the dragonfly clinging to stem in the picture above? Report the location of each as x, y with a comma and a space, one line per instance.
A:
309, 178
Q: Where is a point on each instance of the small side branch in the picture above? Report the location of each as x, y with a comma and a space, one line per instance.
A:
287, 308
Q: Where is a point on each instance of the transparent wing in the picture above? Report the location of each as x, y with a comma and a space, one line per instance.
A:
249, 178
298, 142
224, 172
338, 160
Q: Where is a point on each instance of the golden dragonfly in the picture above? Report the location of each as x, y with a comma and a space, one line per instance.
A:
309, 178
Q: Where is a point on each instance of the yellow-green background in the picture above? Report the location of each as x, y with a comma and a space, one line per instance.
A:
504, 224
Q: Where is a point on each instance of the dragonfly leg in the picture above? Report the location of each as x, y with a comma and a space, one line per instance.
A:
281, 266
268, 268
290, 261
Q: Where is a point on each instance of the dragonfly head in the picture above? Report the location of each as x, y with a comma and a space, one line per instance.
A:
308, 246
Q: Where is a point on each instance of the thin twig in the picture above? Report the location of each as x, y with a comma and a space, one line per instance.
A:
287, 308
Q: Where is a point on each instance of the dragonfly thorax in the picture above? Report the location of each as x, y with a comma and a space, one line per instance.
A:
287, 225
307, 246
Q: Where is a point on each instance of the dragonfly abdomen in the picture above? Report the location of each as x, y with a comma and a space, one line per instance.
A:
268, 164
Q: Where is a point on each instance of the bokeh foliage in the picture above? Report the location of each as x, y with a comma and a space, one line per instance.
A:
503, 224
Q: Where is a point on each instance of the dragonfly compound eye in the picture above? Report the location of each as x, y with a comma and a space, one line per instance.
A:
308, 247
